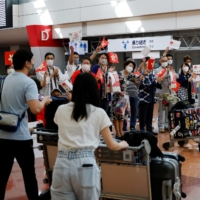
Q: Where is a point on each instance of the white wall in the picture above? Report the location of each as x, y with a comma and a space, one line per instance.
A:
106, 17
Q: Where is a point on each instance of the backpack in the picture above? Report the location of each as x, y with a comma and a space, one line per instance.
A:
51, 110
185, 104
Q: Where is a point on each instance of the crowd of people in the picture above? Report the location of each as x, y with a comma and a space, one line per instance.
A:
94, 104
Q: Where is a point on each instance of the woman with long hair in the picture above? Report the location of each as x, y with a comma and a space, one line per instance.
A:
80, 124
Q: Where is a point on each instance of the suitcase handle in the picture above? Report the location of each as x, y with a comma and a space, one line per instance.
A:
167, 190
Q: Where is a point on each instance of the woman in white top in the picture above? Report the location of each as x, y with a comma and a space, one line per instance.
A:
76, 175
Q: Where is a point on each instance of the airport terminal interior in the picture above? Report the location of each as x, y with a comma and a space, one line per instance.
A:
135, 64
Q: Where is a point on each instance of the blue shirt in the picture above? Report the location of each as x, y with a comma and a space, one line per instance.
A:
18, 89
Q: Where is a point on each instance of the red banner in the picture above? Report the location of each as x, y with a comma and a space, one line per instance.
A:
41, 36
8, 57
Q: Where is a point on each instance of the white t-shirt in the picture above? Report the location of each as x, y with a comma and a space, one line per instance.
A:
82, 134
71, 69
50, 84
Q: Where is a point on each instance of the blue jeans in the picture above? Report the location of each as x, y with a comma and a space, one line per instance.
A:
134, 110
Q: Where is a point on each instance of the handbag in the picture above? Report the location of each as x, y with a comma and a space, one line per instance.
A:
9, 122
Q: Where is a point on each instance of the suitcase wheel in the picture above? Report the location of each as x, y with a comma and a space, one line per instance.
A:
181, 143
166, 146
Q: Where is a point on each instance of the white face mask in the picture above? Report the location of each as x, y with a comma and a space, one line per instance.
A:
164, 64
170, 62
49, 62
185, 69
9, 71
129, 69
103, 61
85, 67
189, 64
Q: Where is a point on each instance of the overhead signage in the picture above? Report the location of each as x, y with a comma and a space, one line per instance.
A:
80, 47
138, 44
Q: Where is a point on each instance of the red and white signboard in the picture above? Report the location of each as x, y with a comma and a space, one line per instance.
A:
196, 69
41, 42
174, 44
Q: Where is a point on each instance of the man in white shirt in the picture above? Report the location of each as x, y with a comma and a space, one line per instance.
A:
162, 110
73, 63
54, 75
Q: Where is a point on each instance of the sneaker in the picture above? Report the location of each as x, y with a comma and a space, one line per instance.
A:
161, 130
132, 129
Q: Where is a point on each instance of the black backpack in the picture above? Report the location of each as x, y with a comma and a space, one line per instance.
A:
51, 110
181, 105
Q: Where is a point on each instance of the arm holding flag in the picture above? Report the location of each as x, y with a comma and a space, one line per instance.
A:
92, 57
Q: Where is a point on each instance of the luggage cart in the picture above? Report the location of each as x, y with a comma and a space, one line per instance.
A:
125, 173
49, 147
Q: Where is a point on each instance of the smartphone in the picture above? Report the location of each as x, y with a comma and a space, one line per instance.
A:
87, 165
40, 97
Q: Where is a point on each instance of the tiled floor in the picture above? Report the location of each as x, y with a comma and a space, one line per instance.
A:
190, 171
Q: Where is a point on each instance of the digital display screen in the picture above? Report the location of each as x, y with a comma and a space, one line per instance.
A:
2, 13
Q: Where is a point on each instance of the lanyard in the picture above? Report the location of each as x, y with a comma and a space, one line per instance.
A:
51, 84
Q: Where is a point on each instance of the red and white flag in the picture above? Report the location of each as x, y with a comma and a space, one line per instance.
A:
113, 58
100, 75
151, 62
8, 57
104, 43
42, 67
161, 73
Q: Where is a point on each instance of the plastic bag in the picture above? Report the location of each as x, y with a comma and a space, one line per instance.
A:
121, 106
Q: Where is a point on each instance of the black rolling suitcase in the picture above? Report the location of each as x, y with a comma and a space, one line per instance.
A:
51, 110
166, 177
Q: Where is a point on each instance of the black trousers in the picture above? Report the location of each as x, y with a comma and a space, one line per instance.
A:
23, 152
146, 116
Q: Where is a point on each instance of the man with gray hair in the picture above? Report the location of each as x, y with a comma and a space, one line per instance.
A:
162, 110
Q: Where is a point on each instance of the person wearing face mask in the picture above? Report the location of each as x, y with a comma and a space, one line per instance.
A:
73, 63
54, 75
170, 59
162, 110
147, 90
18, 94
129, 86
10, 69
85, 68
186, 60
104, 68
185, 78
